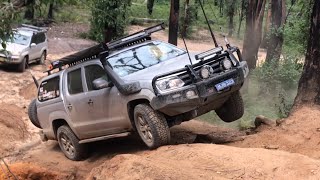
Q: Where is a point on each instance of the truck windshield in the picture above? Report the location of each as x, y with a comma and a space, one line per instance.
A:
142, 57
20, 39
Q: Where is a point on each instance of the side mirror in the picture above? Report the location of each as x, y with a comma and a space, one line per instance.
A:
33, 45
101, 83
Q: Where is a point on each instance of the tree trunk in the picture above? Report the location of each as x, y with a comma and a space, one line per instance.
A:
174, 22
29, 13
309, 84
231, 12
278, 16
221, 8
266, 32
241, 15
51, 11
186, 17
253, 34
150, 5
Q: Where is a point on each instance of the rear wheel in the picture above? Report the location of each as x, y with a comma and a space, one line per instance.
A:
232, 109
23, 65
69, 144
151, 126
43, 58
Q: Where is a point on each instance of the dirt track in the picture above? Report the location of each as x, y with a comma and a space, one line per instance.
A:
258, 158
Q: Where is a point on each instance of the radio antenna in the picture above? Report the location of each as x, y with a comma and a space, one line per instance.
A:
205, 16
185, 45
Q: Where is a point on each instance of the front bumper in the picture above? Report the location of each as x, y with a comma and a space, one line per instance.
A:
177, 102
11, 60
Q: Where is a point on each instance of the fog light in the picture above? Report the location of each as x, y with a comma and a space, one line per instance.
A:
191, 94
226, 63
206, 71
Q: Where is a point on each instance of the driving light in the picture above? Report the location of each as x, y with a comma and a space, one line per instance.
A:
169, 83
191, 94
206, 71
226, 63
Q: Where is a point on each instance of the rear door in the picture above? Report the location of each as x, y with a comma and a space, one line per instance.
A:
33, 50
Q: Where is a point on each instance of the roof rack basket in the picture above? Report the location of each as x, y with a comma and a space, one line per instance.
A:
35, 28
94, 51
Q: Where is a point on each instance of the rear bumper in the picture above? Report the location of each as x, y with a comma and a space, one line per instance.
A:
177, 102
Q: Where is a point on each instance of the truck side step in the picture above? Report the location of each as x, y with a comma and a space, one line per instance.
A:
104, 137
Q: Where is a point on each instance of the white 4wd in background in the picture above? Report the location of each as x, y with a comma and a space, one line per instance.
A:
29, 44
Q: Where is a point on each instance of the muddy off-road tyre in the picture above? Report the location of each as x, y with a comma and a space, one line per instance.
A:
32, 113
69, 144
151, 126
43, 58
23, 65
232, 109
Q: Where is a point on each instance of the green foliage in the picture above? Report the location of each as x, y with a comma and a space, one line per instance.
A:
8, 15
278, 80
296, 31
285, 73
108, 15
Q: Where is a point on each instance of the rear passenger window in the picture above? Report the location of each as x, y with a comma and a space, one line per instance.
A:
49, 89
94, 72
75, 82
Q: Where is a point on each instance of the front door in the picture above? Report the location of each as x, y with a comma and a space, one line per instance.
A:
93, 113
105, 106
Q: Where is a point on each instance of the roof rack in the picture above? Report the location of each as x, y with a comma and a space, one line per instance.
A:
94, 51
32, 28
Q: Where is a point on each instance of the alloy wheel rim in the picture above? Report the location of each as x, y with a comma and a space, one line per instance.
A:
42, 59
145, 129
67, 145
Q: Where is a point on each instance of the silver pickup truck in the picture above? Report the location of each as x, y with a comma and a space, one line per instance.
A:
29, 44
135, 84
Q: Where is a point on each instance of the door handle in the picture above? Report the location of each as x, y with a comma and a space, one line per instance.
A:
90, 102
69, 107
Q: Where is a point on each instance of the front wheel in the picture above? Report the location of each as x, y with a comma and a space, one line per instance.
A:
232, 109
69, 144
23, 65
151, 126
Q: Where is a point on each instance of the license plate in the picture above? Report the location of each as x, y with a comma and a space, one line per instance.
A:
225, 84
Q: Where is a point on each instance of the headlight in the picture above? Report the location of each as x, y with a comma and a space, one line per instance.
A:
226, 63
169, 83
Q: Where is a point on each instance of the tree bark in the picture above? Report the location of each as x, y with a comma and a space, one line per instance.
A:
231, 12
253, 34
29, 13
174, 22
241, 15
150, 5
51, 11
309, 84
278, 16
183, 31
265, 38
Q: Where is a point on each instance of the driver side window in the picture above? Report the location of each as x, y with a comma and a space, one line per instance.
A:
92, 73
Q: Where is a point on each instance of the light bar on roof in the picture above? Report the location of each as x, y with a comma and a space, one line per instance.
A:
208, 53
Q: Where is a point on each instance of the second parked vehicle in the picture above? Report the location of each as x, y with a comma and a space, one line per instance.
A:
29, 44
